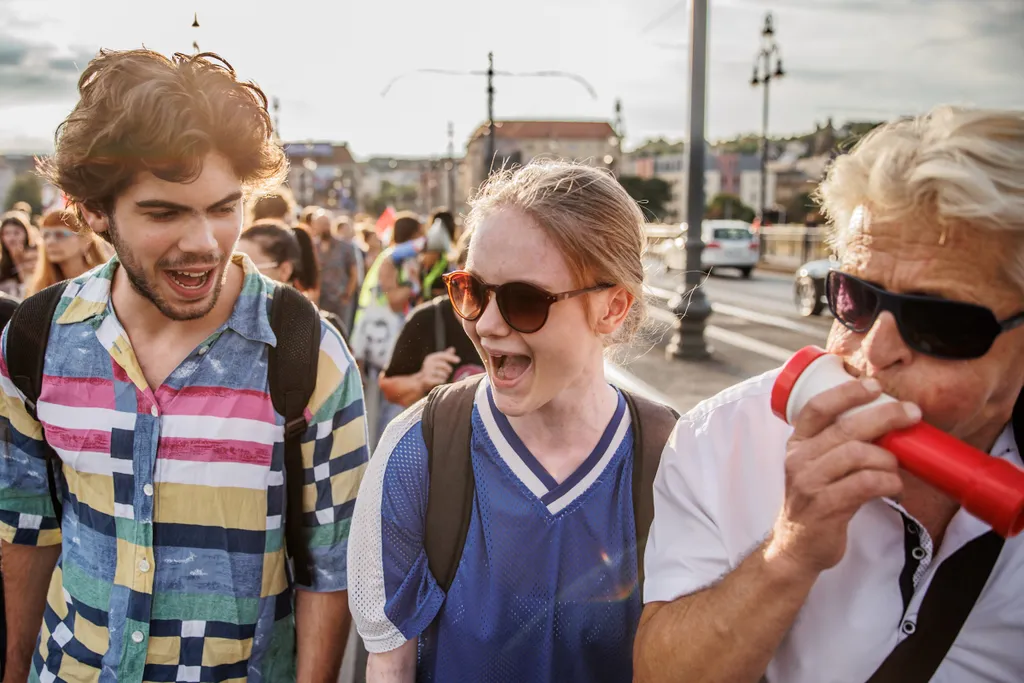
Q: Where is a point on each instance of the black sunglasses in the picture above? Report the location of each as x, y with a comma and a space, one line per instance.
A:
522, 305
950, 330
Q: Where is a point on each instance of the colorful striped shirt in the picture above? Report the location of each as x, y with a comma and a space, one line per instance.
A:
173, 565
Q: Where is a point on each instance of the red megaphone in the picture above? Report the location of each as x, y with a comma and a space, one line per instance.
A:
989, 488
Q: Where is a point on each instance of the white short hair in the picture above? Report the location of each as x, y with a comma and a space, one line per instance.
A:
953, 165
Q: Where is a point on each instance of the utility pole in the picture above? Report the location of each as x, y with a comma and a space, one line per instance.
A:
689, 305
620, 134
491, 148
451, 167
276, 104
763, 75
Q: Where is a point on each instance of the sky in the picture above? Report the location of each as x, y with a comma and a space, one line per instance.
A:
329, 61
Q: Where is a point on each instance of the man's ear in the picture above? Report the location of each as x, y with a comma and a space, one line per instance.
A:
97, 221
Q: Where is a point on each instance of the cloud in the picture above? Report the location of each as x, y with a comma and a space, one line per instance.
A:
37, 72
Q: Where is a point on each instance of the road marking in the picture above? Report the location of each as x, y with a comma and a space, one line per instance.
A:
624, 379
740, 341
747, 314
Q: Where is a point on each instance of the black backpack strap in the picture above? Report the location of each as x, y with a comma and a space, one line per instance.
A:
652, 426
954, 590
27, 337
292, 377
447, 424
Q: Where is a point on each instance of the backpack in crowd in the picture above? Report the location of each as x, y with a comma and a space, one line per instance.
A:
291, 373
447, 431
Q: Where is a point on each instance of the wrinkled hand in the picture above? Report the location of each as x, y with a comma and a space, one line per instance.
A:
832, 469
437, 367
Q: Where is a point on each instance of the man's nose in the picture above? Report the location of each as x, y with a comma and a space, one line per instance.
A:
883, 346
199, 237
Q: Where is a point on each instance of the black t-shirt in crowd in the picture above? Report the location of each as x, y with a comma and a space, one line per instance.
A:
419, 339
7, 306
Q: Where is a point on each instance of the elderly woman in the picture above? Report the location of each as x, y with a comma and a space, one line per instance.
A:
803, 554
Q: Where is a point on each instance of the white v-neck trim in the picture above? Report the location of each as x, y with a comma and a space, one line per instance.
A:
533, 481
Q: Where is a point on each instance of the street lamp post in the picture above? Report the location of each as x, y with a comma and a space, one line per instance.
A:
450, 167
689, 305
763, 75
491, 146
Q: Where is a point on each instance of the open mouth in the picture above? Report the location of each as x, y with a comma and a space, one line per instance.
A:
510, 367
190, 284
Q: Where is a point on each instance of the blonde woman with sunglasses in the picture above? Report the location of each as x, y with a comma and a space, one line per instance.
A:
545, 587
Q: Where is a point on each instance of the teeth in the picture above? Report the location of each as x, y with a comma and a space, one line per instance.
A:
204, 275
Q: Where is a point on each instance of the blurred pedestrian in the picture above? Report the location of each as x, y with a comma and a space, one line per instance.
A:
339, 272
66, 251
279, 253
434, 258
277, 205
543, 588
370, 244
16, 267
432, 349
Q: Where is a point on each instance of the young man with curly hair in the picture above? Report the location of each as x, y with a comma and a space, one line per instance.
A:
170, 551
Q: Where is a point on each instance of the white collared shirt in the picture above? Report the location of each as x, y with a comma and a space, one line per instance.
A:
717, 494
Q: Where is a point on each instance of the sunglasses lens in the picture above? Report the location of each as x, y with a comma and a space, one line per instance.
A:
524, 306
948, 329
466, 295
853, 303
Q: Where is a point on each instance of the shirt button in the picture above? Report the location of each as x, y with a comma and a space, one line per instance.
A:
918, 553
143, 566
154, 411
137, 637
148, 489
909, 627
203, 350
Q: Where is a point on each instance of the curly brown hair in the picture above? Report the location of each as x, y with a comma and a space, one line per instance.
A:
140, 111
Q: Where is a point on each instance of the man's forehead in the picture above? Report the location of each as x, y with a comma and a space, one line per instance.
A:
215, 181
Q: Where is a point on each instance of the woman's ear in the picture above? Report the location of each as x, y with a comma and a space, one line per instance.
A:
612, 312
287, 270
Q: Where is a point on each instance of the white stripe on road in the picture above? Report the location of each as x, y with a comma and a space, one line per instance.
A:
747, 314
740, 341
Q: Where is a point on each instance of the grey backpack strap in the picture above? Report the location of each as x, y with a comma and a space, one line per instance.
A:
652, 426
447, 424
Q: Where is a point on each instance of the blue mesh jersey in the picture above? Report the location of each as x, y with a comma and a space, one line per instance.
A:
546, 588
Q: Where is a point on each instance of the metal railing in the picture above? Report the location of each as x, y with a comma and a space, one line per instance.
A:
783, 246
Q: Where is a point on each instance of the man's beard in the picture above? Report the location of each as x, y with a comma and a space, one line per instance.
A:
147, 289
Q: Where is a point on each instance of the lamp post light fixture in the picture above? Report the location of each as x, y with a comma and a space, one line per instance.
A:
767, 67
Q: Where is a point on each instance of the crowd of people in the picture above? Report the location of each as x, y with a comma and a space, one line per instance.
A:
253, 423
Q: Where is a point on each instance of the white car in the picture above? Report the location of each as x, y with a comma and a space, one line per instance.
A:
727, 244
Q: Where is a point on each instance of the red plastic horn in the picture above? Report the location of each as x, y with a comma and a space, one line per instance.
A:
989, 488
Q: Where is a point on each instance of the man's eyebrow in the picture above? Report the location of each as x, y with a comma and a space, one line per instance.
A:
172, 206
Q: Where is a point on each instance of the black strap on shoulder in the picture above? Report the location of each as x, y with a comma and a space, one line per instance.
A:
447, 425
27, 337
954, 590
652, 426
292, 377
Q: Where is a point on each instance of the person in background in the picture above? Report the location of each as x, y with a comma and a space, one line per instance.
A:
339, 271
369, 243
432, 349
15, 243
434, 258
67, 250
393, 280
277, 205
286, 255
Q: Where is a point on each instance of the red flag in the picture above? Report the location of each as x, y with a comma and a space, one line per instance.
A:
386, 220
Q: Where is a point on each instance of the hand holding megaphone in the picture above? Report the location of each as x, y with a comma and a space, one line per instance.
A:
989, 488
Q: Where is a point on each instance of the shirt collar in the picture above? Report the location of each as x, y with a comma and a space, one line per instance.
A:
88, 297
